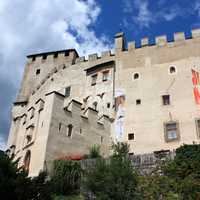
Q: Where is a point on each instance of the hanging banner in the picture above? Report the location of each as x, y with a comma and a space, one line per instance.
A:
196, 86
120, 113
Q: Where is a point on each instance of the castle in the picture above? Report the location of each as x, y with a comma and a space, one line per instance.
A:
147, 96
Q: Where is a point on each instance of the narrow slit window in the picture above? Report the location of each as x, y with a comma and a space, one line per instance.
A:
198, 127
95, 105
59, 127
69, 130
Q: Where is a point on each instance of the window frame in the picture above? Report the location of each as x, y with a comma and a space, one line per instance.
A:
94, 79
132, 138
134, 78
163, 100
68, 89
69, 130
105, 75
167, 139
169, 70
197, 129
38, 71
138, 102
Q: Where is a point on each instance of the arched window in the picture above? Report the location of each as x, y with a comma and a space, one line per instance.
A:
69, 130
172, 69
136, 76
27, 160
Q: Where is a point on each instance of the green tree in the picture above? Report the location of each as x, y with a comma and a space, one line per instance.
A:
66, 177
113, 179
15, 183
176, 179
185, 171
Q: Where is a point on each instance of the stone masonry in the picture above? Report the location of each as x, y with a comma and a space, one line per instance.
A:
147, 96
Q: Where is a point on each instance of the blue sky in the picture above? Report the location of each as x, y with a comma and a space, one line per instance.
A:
87, 25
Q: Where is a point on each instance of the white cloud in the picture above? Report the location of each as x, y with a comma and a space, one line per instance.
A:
197, 7
2, 144
144, 17
143, 14
35, 26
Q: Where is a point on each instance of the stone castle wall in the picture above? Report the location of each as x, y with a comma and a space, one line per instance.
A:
133, 106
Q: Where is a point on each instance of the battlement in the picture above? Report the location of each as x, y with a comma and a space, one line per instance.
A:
74, 107
160, 41
94, 57
120, 45
53, 55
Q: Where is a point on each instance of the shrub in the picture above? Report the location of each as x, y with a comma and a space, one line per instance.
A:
114, 179
94, 152
66, 177
15, 183
178, 179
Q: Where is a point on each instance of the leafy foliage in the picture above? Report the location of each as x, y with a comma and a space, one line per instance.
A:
178, 179
66, 177
15, 183
95, 152
114, 179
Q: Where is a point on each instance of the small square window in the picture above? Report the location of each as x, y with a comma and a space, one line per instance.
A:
166, 100
37, 71
131, 136
171, 131
138, 101
105, 75
94, 80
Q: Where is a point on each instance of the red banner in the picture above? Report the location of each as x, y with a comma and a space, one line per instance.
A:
196, 84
